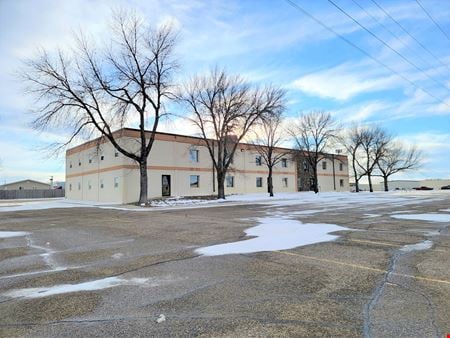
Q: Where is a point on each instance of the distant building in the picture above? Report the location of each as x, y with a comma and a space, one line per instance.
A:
181, 166
436, 184
25, 185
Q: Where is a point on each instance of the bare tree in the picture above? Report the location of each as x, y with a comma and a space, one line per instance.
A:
374, 143
95, 90
224, 109
351, 140
396, 159
269, 137
313, 133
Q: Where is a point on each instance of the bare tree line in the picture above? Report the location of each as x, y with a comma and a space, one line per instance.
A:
93, 91
373, 152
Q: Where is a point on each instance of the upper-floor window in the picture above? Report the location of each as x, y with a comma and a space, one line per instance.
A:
90, 160
284, 163
194, 181
193, 155
258, 160
102, 158
259, 182
70, 165
230, 181
79, 163
341, 166
324, 165
116, 154
284, 180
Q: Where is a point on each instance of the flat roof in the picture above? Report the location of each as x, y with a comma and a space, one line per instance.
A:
122, 132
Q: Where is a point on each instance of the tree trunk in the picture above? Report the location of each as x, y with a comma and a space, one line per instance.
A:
356, 185
369, 177
386, 186
220, 185
143, 198
316, 182
270, 183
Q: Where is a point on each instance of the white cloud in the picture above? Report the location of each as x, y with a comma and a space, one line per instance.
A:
345, 81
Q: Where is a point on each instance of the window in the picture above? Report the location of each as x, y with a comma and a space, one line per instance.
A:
116, 154
101, 184
341, 166
102, 158
79, 163
70, 187
89, 185
79, 186
230, 181
116, 182
193, 155
90, 160
324, 165
70, 166
194, 181
258, 160
284, 180
341, 183
305, 165
284, 163
259, 182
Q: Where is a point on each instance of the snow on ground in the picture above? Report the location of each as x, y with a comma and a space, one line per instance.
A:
8, 234
431, 217
86, 286
328, 199
275, 233
425, 245
54, 203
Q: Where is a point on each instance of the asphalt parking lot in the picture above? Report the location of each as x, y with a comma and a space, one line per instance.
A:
82, 272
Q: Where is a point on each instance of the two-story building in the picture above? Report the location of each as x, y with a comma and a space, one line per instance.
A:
180, 165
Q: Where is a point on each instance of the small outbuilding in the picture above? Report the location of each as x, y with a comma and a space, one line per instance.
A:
25, 185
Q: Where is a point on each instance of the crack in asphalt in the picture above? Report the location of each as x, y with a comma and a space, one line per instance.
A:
377, 293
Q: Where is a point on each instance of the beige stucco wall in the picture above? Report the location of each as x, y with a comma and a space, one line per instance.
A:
85, 170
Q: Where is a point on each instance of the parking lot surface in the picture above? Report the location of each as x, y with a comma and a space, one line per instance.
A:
89, 271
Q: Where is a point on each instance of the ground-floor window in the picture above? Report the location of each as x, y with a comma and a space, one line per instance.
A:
341, 183
79, 186
230, 181
89, 185
259, 182
285, 182
194, 181
116, 182
101, 184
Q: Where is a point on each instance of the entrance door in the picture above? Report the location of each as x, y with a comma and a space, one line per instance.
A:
165, 180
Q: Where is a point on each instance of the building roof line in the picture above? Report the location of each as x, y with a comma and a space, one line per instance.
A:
120, 131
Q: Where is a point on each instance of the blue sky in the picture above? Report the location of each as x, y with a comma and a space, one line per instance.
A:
265, 41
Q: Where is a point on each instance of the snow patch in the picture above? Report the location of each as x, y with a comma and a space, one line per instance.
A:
68, 288
371, 215
425, 245
9, 234
432, 217
274, 233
